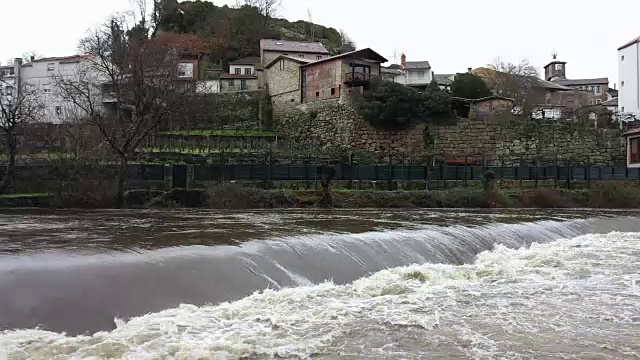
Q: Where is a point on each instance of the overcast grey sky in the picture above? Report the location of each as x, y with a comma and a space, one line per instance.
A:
452, 34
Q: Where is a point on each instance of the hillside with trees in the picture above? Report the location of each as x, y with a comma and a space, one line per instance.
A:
229, 33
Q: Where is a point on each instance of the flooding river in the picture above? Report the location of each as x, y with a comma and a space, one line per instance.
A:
357, 284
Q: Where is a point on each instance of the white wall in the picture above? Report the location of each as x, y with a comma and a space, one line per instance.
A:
414, 78
232, 69
39, 75
268, 56
629, 70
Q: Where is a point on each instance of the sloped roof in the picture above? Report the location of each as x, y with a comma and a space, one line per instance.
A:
443, 79
568, 82
391, 71
293, 46
612, 102
237, 76
417, 65
363, 54
251, 60
488, 73
632, 42
492, 97
635, 131
296, 59
394, 67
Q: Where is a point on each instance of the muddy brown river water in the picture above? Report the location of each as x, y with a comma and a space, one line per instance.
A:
356, 284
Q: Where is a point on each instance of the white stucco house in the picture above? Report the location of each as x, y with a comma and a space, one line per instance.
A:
418, 73
629, 77
41, 73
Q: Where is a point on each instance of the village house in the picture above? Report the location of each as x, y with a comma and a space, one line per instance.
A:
629, 77
596, 89
235, 82
271, 49
484, 108
300, 80
633, 147
418, 73
244, 66
444, 81
9, 76
330, 77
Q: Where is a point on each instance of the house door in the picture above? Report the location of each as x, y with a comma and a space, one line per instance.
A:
243, 84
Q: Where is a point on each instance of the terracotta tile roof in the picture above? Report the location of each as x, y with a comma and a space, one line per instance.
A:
293, 46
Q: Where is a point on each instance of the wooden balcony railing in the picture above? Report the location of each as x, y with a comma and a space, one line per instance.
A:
357, 76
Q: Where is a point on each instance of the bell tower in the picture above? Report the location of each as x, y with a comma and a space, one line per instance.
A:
555, 70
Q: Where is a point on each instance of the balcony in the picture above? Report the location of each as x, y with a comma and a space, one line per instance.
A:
357, 78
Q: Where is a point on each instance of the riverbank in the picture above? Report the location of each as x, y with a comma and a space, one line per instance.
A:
237, 197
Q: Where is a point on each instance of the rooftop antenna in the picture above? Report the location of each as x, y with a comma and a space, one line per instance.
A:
554, 54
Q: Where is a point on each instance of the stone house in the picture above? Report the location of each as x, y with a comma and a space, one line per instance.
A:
328, 78
632, 140
301, 80
271, 49
485, 108
596, 89
282, 75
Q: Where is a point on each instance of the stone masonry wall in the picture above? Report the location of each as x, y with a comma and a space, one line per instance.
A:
332, 125
329, 125
511, 143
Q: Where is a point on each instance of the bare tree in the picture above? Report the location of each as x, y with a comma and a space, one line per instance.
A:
518, 81
20, 105
127, 85
268, 8
31, 55
347, 44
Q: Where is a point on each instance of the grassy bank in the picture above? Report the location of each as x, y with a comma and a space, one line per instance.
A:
238, 197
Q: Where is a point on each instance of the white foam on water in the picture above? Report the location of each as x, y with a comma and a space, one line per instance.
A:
575, 297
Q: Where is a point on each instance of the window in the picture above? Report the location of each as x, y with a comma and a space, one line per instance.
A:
590, 88
621, 83
247, 71
317, 94
11, 71
58, 110
558, 66
51, 66
243, 84
281, 65
622, 109
238, 71
301, 56
333, 91
185, 70
634, 150
318, 57
420, 74
622, 58
231, 83
598, 89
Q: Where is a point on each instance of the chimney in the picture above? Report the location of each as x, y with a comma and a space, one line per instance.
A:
403, 60
469, 69
614, 86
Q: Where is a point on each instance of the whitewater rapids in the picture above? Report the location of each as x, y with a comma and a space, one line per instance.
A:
576, 297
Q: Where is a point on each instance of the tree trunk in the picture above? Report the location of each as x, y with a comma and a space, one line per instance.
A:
8, 184
122, 177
